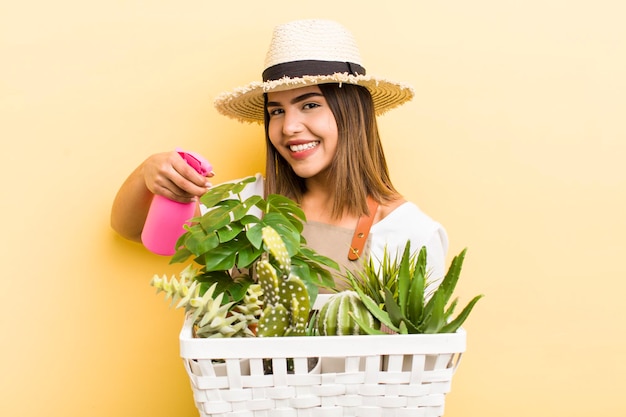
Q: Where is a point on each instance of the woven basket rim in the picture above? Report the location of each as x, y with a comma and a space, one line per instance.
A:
322, 346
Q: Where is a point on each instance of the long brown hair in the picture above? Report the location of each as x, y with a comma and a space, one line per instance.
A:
358, 168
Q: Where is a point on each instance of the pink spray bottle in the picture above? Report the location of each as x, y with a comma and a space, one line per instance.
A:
166, 218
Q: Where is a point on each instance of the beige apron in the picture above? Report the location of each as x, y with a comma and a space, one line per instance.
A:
334, 242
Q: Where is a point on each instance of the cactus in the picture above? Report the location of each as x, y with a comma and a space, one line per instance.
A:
336, 318
287, 303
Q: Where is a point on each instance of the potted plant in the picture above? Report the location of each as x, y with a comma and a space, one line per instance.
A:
245, 251
396, 297
255, 282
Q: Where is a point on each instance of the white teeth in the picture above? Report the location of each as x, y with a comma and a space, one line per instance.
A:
303, 147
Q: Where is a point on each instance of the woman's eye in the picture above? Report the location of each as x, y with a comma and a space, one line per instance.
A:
274, 112
310, 105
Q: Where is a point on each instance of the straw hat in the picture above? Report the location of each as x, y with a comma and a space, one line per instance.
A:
308, 52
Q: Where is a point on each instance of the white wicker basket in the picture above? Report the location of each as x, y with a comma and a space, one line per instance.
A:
390, 375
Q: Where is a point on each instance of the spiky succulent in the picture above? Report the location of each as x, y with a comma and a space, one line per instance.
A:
380, 275
211, 317
409, 310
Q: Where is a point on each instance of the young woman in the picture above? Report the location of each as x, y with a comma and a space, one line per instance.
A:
319, 110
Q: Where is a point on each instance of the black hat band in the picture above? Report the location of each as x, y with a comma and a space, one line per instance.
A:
298, 69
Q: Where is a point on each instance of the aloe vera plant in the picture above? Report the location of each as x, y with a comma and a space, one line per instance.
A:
409, 311
378, 274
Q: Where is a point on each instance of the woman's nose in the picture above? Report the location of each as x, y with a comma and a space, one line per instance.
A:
292, 123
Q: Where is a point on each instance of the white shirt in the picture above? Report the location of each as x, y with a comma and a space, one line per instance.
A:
408, 222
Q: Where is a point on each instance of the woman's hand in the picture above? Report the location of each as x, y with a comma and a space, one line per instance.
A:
169, 175
166, 174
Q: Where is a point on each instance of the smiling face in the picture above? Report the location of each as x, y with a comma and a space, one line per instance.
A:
303, 129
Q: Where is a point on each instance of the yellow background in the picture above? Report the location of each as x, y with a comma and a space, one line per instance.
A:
515, 142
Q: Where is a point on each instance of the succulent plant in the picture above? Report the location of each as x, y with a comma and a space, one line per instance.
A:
211, 317
378, 275
251, 306
337, 315
409, 310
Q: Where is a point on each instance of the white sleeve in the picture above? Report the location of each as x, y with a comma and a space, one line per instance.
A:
408, 222
436, 250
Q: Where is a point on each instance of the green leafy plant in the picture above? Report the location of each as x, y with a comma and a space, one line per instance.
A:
235, 244
227, 240
402, 305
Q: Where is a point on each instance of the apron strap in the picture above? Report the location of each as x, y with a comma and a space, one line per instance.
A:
362, 230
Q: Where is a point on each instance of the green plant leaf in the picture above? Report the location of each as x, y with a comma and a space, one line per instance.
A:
452, 276
234, 289
224, 191
312, 289
411, 327
217, 217
365, 326
181, 255
402, 329
182, 252
302, 270
450, 309
249, 219
215, 195
311, 256
415, 305
436, 315
199, 242
312, 272
247, 254
315, 269
311, 327
229, 232
423, 323
454, 325
254, 235
376, 311
241, 210
277, 203
393, 309
289, 234
404, 281
222, 257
